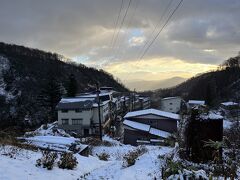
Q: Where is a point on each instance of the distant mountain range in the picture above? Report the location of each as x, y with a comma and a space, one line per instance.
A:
142, 85
213, 87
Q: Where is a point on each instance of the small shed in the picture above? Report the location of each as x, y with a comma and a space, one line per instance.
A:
144, 125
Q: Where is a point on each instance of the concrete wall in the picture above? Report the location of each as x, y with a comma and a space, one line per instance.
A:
104, 111
86, 116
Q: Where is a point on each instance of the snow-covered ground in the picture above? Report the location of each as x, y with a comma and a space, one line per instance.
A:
21, 166
227, 124
148, 166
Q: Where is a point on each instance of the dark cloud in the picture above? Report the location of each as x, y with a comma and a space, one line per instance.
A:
85, 28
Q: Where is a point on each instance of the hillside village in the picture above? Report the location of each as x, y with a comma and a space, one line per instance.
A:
141, 90
117, 135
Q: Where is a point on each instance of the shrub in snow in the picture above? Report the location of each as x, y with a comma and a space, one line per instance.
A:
170, 141
67, 161
103, 156
97, 142
186, 174
74, 148
130, 158
48, 159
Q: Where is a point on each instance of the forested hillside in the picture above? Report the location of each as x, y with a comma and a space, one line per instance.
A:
32, 82
214, 87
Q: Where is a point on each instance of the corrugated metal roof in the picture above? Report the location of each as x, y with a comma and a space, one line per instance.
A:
152, 111
75, 105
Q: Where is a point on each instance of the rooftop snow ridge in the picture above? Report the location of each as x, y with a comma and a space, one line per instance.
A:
210, 115
167, 98
196, 102
152, 111
230, 103
75, 99
147, 128
137, 125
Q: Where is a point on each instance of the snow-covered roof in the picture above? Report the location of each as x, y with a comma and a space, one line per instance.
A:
94, 95
152, 111
53, 139
167, 98
230, 103
159, 133
211, 115
75, 99
74, 103
101, 104
197, 102
147, 128
137, 125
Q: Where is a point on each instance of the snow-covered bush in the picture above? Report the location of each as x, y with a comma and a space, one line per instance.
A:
46, 130
67, 161
171, 168
103, 156
130, 158
48, 159
189, 175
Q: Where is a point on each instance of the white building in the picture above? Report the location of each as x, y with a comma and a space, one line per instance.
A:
171, 104
144, 102
196, 103
80, 114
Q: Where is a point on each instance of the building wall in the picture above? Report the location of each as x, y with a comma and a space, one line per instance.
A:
104, 111
131, 136
171, 105
85, 115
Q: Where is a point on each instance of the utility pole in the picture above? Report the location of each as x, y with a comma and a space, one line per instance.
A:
99, 112
132, 96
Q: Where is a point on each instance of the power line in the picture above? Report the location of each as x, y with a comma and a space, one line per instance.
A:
168, 19
126, 12
131, 18
134, 11
156, 26
119, 13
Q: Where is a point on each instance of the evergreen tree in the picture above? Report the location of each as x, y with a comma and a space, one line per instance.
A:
210, 94
72, 86
49, 97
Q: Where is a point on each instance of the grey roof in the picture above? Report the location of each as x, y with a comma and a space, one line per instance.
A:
75, 105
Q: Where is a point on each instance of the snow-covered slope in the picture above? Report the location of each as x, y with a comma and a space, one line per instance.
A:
21, 165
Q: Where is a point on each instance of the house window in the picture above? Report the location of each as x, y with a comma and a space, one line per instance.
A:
65, 122
170, 103
64, 110
78, 110
76, 121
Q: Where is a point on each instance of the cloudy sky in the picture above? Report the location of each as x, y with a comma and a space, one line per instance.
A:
200, 35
